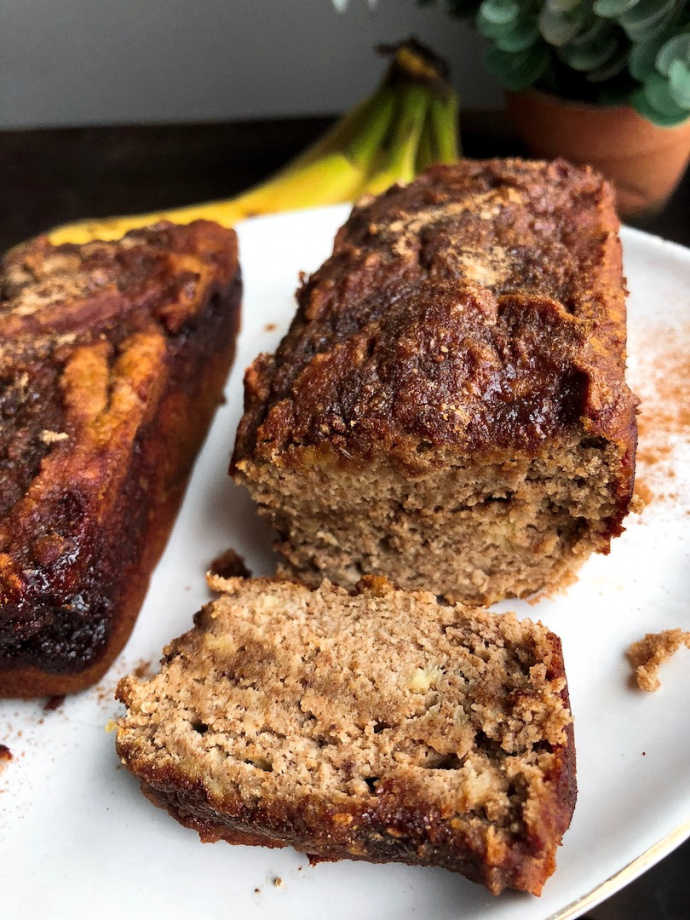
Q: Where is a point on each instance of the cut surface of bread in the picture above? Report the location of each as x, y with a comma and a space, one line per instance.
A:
114, 357
377, 725
449, 406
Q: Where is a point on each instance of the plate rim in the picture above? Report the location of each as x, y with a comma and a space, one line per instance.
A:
626, 875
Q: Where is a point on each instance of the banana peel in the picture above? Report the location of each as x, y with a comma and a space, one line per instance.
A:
409, 123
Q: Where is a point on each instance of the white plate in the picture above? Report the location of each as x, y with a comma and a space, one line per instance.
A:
77, 838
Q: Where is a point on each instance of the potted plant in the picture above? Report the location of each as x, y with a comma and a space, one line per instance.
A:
605, 82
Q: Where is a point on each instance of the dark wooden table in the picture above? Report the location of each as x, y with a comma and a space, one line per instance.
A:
50, 177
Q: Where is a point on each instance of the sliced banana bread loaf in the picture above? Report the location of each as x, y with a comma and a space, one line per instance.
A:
379, 725
114, 358
449, 406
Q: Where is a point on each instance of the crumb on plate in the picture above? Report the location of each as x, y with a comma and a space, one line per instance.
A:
647, 655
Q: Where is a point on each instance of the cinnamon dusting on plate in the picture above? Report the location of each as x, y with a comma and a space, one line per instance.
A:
662, 381
143, 669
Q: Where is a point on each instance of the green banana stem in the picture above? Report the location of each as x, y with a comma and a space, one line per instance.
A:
425, 152
443, 118
399, 159
413, 108
364, 146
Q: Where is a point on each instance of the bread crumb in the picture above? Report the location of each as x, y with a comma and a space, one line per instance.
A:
229, 565
52, 437
54, 703
642, 496
647, 655
278, 882
5, 753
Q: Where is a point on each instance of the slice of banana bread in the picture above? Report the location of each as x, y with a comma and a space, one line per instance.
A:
114, 358
449, 406
378, 725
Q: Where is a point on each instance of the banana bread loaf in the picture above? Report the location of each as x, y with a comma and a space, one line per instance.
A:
114, 357
378, 726
449, 406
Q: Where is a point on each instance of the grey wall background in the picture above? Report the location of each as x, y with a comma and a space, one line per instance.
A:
87, 62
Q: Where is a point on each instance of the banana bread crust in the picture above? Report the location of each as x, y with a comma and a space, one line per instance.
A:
516, 265
114, 360
465, 730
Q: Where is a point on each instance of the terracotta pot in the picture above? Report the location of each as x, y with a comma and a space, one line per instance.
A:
644, 162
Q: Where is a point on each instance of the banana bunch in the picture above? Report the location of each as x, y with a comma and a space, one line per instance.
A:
409, 123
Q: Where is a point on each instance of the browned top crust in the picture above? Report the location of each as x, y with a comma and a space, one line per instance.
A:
90, 337
480, 308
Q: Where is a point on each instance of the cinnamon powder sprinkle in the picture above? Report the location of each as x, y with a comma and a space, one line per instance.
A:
647, 655
143, 670
662, 381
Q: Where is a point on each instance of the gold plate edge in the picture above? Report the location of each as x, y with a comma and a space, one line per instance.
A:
625, 875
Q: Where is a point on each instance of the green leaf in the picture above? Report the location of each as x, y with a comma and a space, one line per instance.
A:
642, 60
491, 29
523, 36
518, 71
500, 11
675, 49
646, 32
611, 9
590, 56
597, 31
679, 82
641, 104
646, 13
657, 89
558, 28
